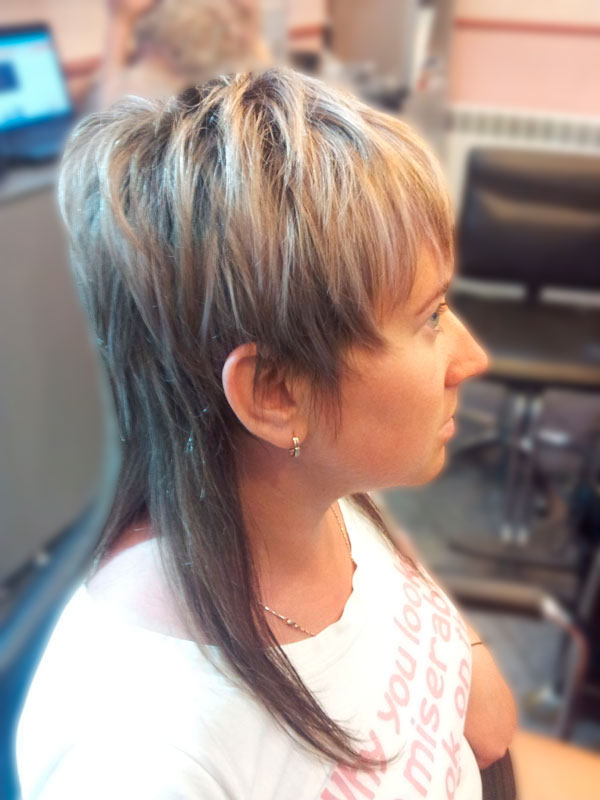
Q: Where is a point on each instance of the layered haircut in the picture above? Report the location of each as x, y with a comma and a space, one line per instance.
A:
261, 207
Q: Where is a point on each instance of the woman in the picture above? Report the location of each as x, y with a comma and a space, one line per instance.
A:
264, 261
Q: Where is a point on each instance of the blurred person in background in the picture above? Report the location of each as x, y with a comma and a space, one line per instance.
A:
156, 48
264, 260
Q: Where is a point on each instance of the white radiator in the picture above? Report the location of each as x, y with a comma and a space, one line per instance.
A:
480, 126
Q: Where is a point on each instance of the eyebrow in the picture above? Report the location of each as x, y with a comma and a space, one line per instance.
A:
441, 290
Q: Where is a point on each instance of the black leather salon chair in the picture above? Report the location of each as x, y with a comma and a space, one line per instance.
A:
528, 264
529, 288
529, 226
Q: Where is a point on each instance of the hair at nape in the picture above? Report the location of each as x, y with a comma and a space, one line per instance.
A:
261, 207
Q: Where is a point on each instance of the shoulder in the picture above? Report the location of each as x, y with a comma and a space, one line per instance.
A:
131, 579
146, 715
100, 768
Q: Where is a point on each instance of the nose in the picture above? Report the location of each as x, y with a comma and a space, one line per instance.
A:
468, 358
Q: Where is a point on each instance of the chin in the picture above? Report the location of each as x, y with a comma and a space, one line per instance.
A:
391, 479
425, 474
431, 471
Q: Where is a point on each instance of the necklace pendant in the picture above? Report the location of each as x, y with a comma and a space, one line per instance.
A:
290, 622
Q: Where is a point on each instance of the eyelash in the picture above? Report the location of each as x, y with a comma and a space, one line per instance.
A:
438, 312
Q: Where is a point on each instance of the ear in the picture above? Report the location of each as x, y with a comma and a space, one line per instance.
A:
275, 411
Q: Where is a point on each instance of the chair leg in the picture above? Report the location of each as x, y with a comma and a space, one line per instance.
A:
512, 481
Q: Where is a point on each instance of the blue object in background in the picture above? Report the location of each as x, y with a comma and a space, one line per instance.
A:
32, 86
8, 77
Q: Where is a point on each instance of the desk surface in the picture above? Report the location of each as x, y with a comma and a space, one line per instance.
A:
17, 182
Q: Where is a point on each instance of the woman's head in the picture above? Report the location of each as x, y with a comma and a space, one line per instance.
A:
262, 208
263, 211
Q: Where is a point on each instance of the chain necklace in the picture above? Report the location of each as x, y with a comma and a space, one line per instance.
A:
290, 622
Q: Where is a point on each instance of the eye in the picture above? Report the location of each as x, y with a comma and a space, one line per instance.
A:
435, 318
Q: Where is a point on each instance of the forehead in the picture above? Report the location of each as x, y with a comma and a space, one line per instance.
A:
431, 278
431, 275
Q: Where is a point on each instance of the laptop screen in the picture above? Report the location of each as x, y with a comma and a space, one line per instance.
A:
32, 87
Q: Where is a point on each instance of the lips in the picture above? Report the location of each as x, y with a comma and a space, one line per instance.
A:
448, 427
451, 417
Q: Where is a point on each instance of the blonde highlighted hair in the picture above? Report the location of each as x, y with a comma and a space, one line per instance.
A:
263, 207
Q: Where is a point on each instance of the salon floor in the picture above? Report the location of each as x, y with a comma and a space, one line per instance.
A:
467, 498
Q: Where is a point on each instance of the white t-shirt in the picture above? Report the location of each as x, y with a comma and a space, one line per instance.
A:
120, 712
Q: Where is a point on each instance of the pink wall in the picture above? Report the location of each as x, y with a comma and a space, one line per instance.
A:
527, 65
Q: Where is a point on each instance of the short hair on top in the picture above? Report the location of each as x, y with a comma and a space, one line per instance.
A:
263, 207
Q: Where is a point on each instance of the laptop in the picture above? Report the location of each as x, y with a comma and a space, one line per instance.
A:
35, 108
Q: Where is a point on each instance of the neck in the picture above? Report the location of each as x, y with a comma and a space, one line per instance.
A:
286, 505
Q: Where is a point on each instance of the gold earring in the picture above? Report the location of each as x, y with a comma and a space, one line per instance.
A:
295, 449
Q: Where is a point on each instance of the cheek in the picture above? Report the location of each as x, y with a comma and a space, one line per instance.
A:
406, 391
392, 413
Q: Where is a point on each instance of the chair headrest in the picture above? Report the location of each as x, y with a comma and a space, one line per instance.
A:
531, 218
